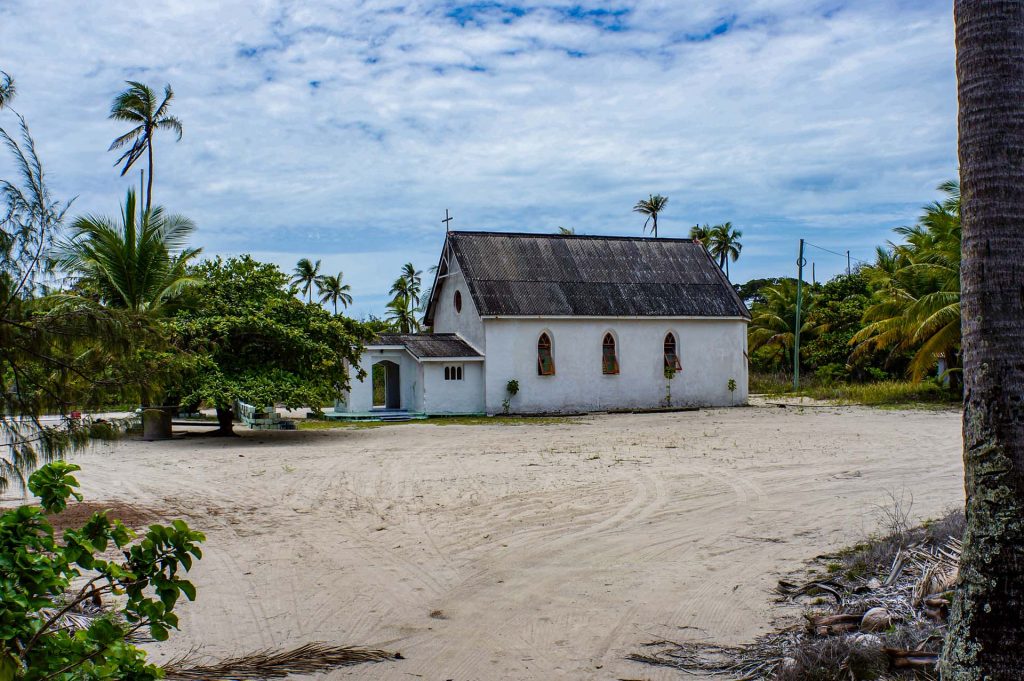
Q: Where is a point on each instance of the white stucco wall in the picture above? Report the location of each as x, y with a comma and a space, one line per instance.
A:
453, 397
711, 352
360, 396
466, 323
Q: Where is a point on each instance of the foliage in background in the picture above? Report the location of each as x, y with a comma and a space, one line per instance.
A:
251, 340
405, 303
38, 572
917, 303
305, 276
652, 208
897, 317
333, 290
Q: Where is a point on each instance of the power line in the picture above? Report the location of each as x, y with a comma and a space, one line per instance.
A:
841, 255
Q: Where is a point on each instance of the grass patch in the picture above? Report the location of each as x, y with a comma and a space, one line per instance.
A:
901, 394
315, 424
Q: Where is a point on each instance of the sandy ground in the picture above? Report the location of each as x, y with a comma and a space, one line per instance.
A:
524, 552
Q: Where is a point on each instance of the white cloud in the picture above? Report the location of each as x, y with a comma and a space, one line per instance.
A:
343, 132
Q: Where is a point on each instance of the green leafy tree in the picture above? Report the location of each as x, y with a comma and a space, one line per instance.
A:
137, 105
44, 580
305, 276
137, 265
252, 341
333, 290
752, 291
652, 208
724, 244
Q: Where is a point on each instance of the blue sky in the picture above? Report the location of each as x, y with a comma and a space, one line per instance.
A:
343, 130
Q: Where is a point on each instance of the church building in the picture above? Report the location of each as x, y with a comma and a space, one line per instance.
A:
576, 323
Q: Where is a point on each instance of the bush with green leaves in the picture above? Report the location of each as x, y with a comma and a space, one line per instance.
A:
43, 580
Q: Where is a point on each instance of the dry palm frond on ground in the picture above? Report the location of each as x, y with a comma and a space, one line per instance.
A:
307, 659
880, 614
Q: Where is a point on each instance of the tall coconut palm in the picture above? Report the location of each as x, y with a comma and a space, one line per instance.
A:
651, 207
7, 89
409, 284
724, 244
986, 627
402, 315
701, 234
138, 106
137, 265
332, 290
305, 276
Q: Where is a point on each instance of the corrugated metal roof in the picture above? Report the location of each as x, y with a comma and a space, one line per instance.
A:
515, 274
429, 345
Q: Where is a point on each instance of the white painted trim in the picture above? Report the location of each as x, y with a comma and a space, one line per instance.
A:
693, 317
449, 359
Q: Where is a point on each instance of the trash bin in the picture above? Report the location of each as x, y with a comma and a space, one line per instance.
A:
156, 422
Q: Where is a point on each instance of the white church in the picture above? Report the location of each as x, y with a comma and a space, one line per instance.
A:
579, 323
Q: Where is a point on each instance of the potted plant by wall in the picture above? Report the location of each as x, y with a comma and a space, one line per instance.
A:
512, 389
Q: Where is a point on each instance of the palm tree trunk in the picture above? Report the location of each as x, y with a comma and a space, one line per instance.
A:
149, 180
986, 629
655, 216
335, 307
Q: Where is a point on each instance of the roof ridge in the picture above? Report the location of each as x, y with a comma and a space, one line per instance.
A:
596, 237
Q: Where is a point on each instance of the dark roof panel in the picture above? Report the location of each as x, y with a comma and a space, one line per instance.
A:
512, 274
430, 345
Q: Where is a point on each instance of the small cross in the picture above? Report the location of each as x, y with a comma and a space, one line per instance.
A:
447, 218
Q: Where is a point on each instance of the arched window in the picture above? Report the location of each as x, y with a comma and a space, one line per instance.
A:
545, 358
672, 364
609, 360
458, 301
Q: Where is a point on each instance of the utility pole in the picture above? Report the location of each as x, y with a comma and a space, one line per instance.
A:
847, 263
800, 262
814, 278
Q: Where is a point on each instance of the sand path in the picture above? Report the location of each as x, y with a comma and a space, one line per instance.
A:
524, 552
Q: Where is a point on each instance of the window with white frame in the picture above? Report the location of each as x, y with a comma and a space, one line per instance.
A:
453, 372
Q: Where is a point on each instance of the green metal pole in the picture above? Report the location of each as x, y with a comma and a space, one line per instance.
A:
800, 262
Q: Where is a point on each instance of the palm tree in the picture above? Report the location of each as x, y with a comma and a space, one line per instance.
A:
651, 207
137, 265
7, 89
701, 234
724, 244
567, 231
305, 275
138, 106
917, 303
332, 290
402, 315
409, 284
772, 322
986, 630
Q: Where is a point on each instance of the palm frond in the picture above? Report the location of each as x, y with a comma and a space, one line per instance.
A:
310, 658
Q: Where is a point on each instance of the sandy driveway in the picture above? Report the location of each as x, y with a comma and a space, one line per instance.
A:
524, 552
